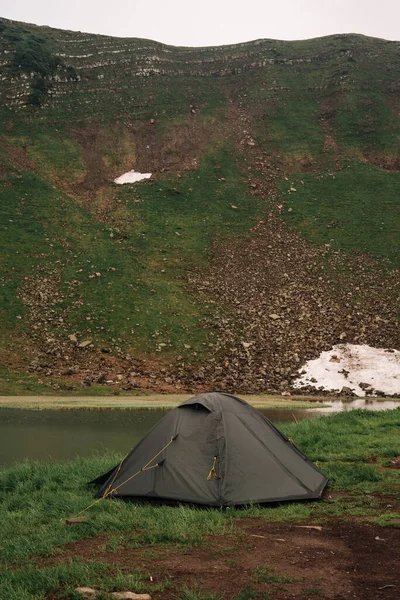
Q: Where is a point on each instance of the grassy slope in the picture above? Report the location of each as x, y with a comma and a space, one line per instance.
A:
140, 296
343, 87
356, 209
36, 498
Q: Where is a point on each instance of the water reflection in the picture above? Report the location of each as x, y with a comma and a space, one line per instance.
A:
332, 406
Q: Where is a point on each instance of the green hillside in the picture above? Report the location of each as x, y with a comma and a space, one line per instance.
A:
274, 190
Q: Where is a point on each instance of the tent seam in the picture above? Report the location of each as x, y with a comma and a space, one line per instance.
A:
222, 495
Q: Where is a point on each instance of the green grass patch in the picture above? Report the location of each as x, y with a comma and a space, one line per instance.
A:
364, 123
351, 436
196, 593
139, 301
37, 583
55, 155
35, 500
266, 574
355, 209
249, 593
292, 127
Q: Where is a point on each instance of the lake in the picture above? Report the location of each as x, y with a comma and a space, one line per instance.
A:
65, 434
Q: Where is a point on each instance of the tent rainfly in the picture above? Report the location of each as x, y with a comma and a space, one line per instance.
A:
214, 450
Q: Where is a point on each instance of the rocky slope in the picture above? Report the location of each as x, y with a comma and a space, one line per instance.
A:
218, 272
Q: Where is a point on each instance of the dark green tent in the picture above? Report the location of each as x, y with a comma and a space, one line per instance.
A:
214, 450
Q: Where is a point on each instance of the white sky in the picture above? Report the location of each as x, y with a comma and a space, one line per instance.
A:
212, 22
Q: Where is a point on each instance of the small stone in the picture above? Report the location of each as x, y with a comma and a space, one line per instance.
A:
85, 343
74, 520
334, 359
72, 338
274, 316
130, 596
86, 592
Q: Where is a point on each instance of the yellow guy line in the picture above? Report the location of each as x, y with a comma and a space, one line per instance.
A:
109, 491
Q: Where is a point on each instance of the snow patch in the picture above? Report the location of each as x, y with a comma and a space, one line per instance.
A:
349, 365
131, 177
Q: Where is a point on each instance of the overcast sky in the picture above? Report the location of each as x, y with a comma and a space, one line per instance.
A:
212, 22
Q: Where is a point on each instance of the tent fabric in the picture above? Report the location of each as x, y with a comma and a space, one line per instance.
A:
217, 450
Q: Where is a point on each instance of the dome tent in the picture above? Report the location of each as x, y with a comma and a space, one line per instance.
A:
214, 450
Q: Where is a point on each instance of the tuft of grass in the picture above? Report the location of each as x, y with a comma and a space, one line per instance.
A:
388, 519
266, 574
196, 594
248, 593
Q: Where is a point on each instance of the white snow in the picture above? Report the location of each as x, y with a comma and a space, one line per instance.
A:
348, 365
131, 177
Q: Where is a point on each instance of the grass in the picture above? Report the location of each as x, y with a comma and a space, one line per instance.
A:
55, 156
196, 594
35, 500
354, 209
249, 593
365, 123
37, 583
139, 301
292, 127
266, 574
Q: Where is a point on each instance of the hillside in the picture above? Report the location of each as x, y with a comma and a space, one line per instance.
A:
268, 232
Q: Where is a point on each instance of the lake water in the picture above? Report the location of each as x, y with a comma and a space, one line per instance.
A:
65, 434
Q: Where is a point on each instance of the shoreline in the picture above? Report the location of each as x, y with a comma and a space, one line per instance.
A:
167, 402
150, 402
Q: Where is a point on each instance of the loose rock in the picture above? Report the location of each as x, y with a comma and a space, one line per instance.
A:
86, 592
130, 596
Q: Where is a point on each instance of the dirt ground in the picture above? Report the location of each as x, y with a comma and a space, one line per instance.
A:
344, 560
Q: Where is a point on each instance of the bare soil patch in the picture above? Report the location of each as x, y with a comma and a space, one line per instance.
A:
344, 560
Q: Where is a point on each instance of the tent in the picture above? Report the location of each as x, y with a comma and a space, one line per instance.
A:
214, 450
